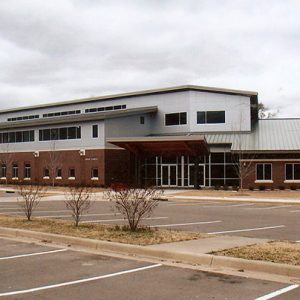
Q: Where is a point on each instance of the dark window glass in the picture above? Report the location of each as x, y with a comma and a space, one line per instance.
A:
72, 133
1, 138
95, 173
27, 171
95, 131
109, 108
46, 135
5, 137
296, 171
123, 106
57, 114
15, 171
183, 118
260, 172
3, 170
11, 137
72, 172
289, 171
175, 119
142, 120
46, 172
117, 107
101, 109
78, 130
26, 137
63, 133
19, 136
268, 172
201, 117
64, 113
31, 135
54, 134
58, 173
214, 117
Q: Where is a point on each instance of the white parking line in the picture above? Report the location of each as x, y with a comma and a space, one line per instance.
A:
270, 207
36, 211
191, 204
298, 241
32, 254
248, 229
112, 220
278, 292
233, 205
87, 215
293, 211
187, 224
77, 281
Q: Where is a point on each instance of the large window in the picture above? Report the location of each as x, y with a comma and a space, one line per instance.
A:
263, 171
71, 173
3, 171
176, 119
292, 171
210, 117
66, 133
17, 136
15, 171
95, 131
94, 173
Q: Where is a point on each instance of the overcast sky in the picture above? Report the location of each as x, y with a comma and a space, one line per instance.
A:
66, 49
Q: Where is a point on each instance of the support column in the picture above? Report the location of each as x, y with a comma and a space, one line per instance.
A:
196, 173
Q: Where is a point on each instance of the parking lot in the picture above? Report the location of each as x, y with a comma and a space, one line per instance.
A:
260, 220
31, 271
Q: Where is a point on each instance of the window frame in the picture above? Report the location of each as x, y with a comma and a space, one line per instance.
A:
180, 114
264, 172
95, 131
206, 117
293, 172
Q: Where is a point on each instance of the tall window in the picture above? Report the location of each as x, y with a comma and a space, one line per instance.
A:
71, 173
58, 173
17, 136
176, 119
292, 171
142, 120
27, 171
94, 173
210, 117
95, 131
46, 172
15, 171
3, 170
263, 171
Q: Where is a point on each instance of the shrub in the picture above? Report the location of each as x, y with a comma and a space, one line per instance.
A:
262, 188
217, 187
293, 188
251, 188
281, 188
225, 187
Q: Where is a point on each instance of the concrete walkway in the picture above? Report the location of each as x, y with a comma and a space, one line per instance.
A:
208, 245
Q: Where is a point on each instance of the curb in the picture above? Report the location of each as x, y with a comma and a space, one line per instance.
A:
207, 260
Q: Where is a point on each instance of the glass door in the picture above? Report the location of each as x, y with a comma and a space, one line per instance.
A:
169, 175
201, 175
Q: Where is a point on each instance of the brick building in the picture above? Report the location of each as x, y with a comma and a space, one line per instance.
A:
184, 136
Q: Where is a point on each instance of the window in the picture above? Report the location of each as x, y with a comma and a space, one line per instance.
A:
95, 131
263, 171
210, 117
142, 120
27, 171
23, 118
58, 173
292, 171
62, 113
46, 173
94, 173
65, 133
176, 119
105, 108
3, 171
15, 171
71, 173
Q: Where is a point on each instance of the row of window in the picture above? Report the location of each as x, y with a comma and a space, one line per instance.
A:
105, 108
203, 117
46, 172
67, 113
31, 117
65, 133
264, 171
62, 113
17, 136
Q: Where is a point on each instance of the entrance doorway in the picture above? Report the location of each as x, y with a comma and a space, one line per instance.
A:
169, 175
201, 175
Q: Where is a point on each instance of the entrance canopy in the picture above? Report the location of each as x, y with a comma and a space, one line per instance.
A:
193, 145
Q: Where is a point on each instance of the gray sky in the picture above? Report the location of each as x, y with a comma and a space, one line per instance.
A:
64, 49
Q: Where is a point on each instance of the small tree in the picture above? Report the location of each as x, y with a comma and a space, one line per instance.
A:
30, 198
135, 203
78, 200
54, 161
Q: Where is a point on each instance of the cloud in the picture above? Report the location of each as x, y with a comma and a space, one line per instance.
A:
64, 49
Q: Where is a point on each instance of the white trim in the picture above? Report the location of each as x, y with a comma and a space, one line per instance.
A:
291, 181
15, 178
71, 178
3, 178
263, 181
278, 292
95, 178
32, 254
27, 178
271, 159
46, 177
58, 177
248, 229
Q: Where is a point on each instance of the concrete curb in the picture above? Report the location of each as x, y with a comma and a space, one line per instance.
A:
207, 260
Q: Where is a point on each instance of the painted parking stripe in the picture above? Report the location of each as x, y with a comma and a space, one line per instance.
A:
247, 229
232, 205
32, 254
112, 220
187, 224
269, 207
36, 211
293, 211
278, 292
87, 215
298, 241
193, 203
77, 281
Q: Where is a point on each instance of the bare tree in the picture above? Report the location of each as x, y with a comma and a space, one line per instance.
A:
79, 199
30, 198
54, 161
135, 203
264, 112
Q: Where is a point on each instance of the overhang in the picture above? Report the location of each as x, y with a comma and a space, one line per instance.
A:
194, 145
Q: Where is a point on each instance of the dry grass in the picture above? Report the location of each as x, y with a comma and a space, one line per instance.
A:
144, 236
286, 194
277, 252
